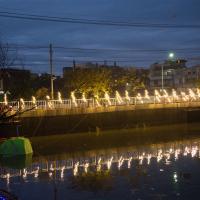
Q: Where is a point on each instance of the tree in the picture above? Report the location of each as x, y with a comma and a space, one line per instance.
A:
125, 78
92, 82
41, 93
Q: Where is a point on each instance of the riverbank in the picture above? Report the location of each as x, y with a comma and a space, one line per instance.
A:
67, 143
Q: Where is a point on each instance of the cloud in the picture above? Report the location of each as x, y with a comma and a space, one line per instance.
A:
91, 36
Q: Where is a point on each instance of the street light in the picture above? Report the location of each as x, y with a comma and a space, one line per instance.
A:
53, 78
170, 56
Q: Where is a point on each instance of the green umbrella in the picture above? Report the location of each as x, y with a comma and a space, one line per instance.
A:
16, 146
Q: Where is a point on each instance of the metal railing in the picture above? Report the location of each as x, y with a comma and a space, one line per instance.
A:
101, 102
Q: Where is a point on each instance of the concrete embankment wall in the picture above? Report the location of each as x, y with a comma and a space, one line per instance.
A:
61, 121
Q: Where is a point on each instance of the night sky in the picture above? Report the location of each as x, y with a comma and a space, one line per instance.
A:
96, 37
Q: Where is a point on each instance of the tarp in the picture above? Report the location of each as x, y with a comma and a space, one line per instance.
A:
16, 146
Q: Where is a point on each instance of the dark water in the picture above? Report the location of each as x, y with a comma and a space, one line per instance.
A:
155, 171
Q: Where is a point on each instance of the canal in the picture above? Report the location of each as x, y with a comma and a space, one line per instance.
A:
144, 163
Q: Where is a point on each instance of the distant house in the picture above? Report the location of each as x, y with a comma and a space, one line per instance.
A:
192, 74
173, 74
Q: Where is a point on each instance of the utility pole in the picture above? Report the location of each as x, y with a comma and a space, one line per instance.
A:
51, 69
115, 64
74, 65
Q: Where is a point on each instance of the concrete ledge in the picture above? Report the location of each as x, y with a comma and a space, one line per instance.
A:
85, 110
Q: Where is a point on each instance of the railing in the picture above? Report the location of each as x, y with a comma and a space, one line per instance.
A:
101, 102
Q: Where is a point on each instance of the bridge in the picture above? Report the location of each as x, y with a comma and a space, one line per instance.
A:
63, 116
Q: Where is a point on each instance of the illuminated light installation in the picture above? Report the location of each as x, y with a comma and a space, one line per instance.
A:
48, 97
34, 102
5, 99
22, 104
140, 158
174, 95
192, 94
109, 163
75, 171
74, 99
176, 154
59, 97
50, 174
139, 97
8, 178
99, 165
198, 92
84, 98
194, 151
86, 165
129, 162
7, 175
184, 96
49, 104
97, 101
120, 162
167, 155
36, 173
166, 96
24, 173
62, 172
107, 97
118, 97
157, 95
167, 158
149, 156
159, 156
175, 176
127, 97
146, 94
186, 151
51, 168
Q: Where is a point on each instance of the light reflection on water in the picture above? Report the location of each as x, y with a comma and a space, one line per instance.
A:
156, 171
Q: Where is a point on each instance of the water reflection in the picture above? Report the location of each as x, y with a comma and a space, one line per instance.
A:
99, 170
99, 160
16, 162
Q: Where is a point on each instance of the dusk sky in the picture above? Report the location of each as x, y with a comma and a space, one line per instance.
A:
182, 41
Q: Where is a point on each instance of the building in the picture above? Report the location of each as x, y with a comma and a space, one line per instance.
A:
192, 76
171, 74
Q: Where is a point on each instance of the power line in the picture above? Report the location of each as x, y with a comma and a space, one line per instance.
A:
19, 46
45, 18
45, 62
